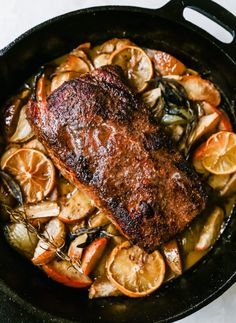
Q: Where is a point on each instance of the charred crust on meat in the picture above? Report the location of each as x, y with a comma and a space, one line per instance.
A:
203, 189
98, 133
158, 140
82, 169
146, 209
183, 166
113, 203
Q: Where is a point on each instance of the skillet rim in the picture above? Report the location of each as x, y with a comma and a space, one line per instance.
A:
27, 306
91, 10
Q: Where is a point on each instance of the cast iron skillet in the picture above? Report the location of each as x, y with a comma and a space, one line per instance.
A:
27, 294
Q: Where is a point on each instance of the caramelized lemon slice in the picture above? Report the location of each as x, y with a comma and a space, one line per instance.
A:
220, 153
135, 272
34, 172
136, 65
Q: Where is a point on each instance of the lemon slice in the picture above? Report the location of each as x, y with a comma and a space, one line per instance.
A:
135, 272
220, 153
136, 65
34, 172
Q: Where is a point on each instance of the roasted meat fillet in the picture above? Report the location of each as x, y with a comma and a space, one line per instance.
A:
99, 135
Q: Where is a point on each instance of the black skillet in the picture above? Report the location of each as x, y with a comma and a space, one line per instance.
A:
27, 295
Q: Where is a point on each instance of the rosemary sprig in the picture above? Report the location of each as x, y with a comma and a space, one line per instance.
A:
19, 216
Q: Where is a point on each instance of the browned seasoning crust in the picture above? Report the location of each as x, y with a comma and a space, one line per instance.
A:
99, 135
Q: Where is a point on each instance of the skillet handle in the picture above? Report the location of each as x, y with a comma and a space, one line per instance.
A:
174, 10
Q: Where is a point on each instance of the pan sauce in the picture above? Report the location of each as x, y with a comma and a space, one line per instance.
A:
183, 122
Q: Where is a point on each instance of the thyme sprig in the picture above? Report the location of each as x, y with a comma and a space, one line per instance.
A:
19, 216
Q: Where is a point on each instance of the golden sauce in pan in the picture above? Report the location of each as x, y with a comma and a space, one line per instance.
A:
63, 232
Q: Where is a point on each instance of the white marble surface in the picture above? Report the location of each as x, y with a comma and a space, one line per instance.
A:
17, 16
